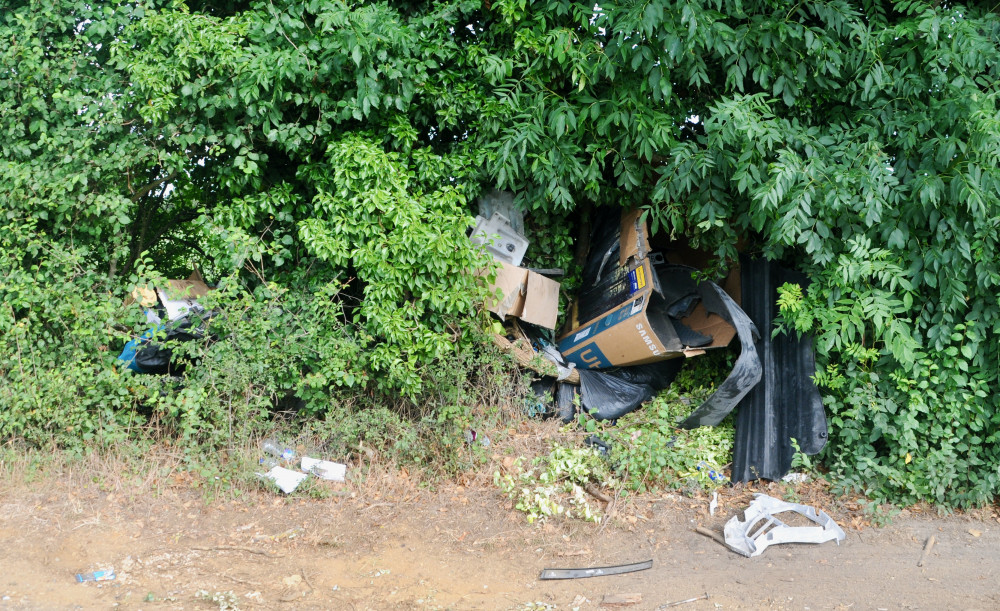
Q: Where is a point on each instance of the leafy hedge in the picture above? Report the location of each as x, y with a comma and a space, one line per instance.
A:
319, 160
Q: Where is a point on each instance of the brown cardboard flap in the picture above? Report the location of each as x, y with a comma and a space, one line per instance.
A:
634, 239
714, 325
144, 295
526, 295
541, 303
512, 282
185, 289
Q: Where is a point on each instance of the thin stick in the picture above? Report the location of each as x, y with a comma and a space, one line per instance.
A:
609, 512
927, 550
243, 581
701, 530
681, 602
305, 577
370, 507
234, 548
596, 493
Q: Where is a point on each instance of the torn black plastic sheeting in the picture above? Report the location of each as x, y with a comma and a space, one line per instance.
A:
658, 375
596, 571
566, 400
746, 372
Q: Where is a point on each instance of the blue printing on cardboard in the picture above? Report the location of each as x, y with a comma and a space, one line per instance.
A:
625, 312
590, 357
636, 282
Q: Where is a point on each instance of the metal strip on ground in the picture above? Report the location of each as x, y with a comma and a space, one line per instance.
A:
596, 571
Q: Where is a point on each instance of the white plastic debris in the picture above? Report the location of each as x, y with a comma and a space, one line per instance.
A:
286, 479
761, 528
324, 469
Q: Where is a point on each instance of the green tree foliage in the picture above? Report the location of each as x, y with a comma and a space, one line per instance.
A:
859, 139
320, 149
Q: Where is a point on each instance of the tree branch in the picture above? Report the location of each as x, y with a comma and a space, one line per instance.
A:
146, 188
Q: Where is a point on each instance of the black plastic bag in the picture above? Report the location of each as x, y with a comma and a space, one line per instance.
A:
539, 403
606, 397
156, 357
593, 441
658, 375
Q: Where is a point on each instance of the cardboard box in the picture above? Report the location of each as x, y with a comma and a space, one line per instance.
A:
622, 319
526, 295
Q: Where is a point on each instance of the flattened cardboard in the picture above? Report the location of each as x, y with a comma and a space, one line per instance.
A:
144, 296
526, 295
511, 281
705, 322
541, 304
185, 289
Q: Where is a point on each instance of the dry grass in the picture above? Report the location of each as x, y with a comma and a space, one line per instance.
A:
376, 478
121, 477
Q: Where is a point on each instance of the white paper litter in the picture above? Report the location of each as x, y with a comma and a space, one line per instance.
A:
325, 469
286, 479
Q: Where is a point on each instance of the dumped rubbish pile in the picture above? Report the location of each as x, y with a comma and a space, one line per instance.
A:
173, 315
640, 313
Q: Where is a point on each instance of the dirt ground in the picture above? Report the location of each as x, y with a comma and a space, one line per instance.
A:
458, 547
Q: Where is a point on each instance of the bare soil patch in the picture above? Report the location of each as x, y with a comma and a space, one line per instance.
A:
397, 545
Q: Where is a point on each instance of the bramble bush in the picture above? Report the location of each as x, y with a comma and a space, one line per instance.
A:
57, 344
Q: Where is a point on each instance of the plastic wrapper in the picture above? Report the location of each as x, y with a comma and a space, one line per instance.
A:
325, 469
286, 479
